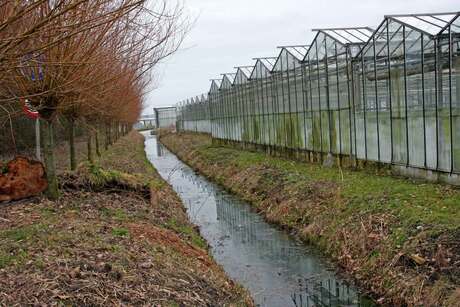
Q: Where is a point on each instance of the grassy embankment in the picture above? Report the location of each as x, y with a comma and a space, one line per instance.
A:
399, 239
118, 235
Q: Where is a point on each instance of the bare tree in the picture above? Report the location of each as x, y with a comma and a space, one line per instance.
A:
84, 60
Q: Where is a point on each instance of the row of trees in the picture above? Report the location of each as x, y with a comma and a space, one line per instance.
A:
87, 61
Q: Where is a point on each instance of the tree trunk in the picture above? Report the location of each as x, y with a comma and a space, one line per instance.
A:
52, 191
96, 138
73, 158
90, 150
110, 134
106, 139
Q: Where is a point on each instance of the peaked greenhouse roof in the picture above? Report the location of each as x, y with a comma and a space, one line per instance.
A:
346, 36
215, 85
431, 24
263, 67
290, 56
242, 74
227, 80
297, 51
268, 62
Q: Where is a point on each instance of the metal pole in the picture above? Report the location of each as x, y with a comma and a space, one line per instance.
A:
328, 106
389, 90
364, 105
376, 100
405, 96
450, 103
339, 109
319, 102
37, 140
304, 105
423, 99
311, 105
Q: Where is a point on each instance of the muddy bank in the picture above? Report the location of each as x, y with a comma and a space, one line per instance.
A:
399, 239
119, 235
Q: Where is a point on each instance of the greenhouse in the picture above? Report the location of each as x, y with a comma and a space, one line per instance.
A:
194, 114
328, 76
165, 117
407, 92
388, 95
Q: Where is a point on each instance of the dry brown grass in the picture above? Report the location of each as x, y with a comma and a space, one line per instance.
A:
109, 246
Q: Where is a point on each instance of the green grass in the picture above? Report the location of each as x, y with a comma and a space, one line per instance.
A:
117, 214
414, 203
24, 233
187, 230
120, 232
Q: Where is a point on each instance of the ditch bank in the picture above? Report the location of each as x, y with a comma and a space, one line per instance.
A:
399, 239
118, 235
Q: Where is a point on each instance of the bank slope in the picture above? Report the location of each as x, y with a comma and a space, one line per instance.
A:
398, 238
106, 241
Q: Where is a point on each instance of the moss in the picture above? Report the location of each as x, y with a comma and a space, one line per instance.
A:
280, 130
100, 176
293, 131
315, 138
256, 129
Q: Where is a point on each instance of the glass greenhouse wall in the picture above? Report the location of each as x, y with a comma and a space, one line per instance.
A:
165, 117
194, 114
389, 95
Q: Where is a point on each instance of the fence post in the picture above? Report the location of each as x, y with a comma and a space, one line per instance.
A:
37, 140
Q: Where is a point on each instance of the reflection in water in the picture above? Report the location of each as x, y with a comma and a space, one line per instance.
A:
160, 151
277, 270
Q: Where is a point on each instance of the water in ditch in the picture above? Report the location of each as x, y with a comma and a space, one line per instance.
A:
275, 268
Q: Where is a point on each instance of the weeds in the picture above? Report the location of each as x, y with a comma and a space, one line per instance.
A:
120, 232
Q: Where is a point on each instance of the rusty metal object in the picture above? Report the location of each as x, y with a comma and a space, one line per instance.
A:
21, 178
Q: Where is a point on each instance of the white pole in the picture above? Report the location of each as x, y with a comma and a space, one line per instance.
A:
37, 139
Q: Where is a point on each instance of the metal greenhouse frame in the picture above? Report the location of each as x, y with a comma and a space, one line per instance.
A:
165, 117
405, 92
390, 95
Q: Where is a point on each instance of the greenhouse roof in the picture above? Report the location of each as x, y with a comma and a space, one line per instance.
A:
246, 70
227, 80
262, 67
268, 62
242, 74
289, 56
215, 85
298, 52
432, 24
346, 36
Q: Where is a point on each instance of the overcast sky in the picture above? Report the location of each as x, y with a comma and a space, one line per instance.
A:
230, 33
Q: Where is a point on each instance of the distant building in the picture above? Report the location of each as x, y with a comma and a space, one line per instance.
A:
165, 117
